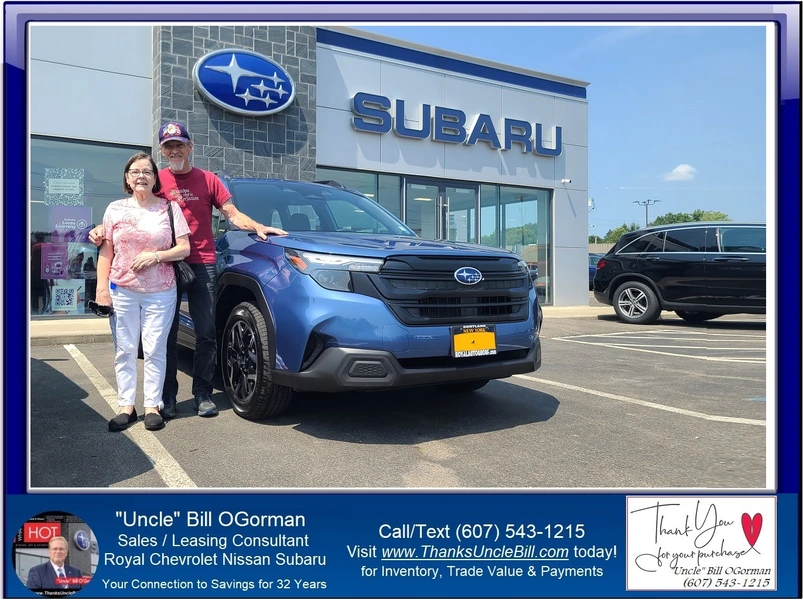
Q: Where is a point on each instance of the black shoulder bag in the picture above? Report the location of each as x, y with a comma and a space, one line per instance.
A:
184, 273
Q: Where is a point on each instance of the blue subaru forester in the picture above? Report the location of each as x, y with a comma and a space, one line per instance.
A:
353, 300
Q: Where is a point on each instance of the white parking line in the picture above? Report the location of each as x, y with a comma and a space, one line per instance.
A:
628, 345
761, 360
672, 409
163, 462
648, 335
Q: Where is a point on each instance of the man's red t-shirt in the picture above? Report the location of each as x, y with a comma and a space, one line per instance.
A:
196, 192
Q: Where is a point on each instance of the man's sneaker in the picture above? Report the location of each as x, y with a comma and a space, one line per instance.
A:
169, 409
205, 406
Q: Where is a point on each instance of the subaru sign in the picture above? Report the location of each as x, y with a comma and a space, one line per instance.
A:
82, 540
244, 82
468, 275
372, 115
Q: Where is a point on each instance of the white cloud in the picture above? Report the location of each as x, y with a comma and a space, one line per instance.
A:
680, 173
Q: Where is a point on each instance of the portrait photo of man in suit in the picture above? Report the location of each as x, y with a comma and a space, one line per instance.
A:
43, 577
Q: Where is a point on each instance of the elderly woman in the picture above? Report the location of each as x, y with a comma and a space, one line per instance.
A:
136, 277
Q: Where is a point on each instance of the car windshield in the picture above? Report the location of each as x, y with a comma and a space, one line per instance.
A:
298, 206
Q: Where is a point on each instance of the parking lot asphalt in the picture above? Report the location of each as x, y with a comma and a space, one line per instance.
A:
669, 405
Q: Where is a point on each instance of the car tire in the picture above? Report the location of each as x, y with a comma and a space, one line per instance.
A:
635, 302
694, 316
462, 387
245, 367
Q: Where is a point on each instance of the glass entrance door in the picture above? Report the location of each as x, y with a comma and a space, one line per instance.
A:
442, 211
423, 214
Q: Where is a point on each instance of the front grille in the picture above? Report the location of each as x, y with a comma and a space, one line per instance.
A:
446, 285
423, 290
456, 307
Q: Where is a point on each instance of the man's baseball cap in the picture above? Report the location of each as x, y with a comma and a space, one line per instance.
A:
173, 131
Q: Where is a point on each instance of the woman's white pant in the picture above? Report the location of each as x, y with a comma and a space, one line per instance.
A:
150, 315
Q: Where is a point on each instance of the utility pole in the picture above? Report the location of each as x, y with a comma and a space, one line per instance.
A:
646, 204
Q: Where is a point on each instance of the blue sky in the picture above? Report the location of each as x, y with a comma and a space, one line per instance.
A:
676, 113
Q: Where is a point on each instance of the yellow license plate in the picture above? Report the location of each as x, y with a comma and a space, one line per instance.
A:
473, 340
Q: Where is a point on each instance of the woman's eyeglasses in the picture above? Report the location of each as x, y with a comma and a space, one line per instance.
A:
146, 173
101, 310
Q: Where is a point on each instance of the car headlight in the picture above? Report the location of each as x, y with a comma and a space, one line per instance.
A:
331, 271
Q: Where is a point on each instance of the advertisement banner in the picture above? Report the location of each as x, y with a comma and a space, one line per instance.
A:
427, 546
67, 296
54, 261
64, 186
70, 223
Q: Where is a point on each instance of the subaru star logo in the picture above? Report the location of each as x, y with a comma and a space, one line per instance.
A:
244, 82
468, 275
81, 539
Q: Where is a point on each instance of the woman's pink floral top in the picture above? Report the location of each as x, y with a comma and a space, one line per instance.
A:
133, 229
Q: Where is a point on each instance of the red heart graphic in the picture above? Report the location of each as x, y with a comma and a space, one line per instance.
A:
752, 527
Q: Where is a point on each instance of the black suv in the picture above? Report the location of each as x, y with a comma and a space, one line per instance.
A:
699, 270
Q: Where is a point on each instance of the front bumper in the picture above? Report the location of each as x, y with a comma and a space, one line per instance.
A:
348, 369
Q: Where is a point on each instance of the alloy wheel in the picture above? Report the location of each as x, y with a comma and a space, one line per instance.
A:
241, 361
633, 302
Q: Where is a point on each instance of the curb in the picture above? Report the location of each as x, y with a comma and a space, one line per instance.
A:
61, 339
85, 331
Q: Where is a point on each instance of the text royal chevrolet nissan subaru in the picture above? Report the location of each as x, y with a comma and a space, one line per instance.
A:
352, 299
699, 270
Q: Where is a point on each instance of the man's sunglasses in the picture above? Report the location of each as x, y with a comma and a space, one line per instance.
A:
101, 310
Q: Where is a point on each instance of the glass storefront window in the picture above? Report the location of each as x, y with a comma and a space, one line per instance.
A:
422, 209
364, 183
385, 189
461, 212
72, 183
390, 193
524, 229
27, 560
489, 205
516, 218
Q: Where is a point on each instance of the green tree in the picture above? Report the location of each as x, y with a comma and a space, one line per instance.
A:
613, 235
525, 235
697, 215
670, 218
709, 215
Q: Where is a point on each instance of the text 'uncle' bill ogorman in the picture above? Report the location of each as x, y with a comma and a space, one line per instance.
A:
206, 518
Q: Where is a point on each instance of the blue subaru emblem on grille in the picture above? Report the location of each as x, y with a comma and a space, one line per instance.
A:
468, 275
244, 82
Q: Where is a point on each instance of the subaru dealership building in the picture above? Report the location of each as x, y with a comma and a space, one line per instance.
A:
457, 147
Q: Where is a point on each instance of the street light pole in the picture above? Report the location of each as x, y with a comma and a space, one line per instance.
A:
646, 204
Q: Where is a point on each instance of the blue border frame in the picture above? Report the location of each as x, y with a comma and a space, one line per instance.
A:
788, 165
786, 16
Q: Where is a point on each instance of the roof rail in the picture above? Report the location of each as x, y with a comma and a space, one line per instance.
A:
332, 183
